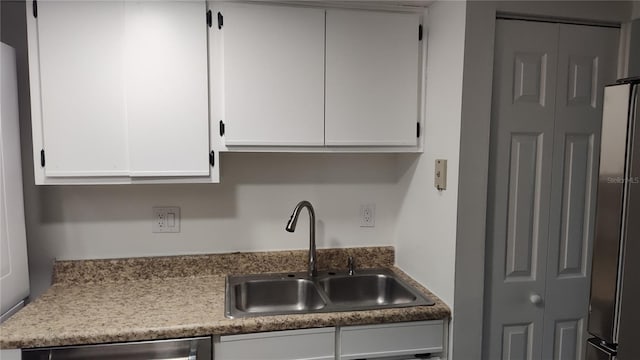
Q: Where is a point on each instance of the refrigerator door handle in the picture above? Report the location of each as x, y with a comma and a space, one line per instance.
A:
597, 350
627, 311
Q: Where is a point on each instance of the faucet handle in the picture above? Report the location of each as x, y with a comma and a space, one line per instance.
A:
351, 265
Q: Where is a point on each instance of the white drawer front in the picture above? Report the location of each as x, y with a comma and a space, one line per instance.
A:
307, 344
13, 354
390, 340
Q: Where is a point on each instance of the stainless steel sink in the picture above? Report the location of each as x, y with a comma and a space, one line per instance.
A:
366, 290
291, 293
277, 295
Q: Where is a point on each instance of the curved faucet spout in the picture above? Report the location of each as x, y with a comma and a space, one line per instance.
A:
291, 226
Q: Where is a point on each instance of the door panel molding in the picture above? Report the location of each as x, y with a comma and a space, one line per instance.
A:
576, 212
524, 211
583, 81
529, 78
517, 342
567, 343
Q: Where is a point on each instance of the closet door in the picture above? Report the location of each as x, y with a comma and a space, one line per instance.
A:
524, 97
548, 90
586, 63
84, 127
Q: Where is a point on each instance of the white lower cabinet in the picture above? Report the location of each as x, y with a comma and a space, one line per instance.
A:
306, 344
408, 340
391, 341
11, 354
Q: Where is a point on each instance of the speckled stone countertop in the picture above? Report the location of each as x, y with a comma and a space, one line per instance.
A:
100, 301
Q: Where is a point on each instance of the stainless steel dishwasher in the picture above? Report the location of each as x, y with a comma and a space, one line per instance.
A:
175, 349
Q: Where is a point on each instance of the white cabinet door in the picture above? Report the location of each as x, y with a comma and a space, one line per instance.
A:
273, 75
84, 128
120, 91
391, 340
307, 344
372, 78
166, 88
13, 354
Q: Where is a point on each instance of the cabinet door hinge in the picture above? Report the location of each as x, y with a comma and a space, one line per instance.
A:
42, 157
220, 20
212, 158
221, 128
418, 130
35, 8
419, 32
209, 18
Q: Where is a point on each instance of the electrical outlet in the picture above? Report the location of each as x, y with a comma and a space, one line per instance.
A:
367, 215
166, 219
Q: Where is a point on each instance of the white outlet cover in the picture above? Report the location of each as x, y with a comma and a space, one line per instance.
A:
165, 219
368, 215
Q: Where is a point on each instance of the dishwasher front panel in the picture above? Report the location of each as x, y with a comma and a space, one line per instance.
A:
174, 349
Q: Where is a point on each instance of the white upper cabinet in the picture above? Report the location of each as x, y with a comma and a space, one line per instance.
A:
315, 79
273, 75
372, 78
119, 91
83, 118
166, 88
122, 91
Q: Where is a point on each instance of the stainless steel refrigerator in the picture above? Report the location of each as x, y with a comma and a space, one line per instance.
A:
614, 306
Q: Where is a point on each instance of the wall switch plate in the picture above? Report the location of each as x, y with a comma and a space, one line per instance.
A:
166, 219
440, 181
368, 215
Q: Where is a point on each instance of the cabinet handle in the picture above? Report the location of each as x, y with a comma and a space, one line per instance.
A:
221, 128
209, 18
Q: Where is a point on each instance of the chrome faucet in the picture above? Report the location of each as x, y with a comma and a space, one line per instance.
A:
291, 226
351, 265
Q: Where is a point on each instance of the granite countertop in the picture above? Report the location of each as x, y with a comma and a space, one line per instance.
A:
100, 301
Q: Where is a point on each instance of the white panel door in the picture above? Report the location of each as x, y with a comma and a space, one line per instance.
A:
273, 75
82, 87
372, 78
586, 63
537, 301
166, 88
520, 186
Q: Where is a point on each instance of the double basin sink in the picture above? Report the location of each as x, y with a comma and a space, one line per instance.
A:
296, 293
